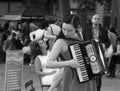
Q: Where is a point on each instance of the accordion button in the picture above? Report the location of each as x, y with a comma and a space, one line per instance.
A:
93, 58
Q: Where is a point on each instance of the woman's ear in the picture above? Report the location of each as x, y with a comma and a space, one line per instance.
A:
79, 28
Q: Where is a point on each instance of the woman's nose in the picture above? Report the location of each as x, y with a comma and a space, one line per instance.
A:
66, 33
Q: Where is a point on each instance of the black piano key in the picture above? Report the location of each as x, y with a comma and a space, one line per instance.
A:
82, 68
81, 62
79, 58
84, 73
78, 53
86, 78
77, 49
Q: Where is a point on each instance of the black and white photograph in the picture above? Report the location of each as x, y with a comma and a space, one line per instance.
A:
59, 45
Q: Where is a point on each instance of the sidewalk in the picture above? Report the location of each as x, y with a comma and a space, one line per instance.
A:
28, 74
109, 84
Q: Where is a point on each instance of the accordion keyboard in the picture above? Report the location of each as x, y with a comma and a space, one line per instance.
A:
90, 55
82, 72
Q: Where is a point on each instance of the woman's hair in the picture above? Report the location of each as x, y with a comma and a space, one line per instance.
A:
35, 50
44, 24
70, 19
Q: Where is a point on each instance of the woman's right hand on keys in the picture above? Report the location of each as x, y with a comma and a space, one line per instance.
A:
74, 63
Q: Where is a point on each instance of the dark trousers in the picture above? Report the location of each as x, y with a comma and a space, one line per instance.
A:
112, 65
99, 82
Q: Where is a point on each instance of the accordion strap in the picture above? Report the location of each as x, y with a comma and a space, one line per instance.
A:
79, 35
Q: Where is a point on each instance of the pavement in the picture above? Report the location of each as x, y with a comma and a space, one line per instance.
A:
108, 84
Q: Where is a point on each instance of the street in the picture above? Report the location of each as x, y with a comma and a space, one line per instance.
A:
109, 84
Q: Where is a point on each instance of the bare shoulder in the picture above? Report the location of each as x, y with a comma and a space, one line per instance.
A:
60, 44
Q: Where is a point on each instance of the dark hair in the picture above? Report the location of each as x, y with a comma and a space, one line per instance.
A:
60, 35
70, 19
35, 49
44, 24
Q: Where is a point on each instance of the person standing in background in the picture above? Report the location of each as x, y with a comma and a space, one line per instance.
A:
112, 28
47, 32
114, 59
97, 32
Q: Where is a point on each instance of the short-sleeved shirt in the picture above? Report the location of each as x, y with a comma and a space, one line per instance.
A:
54, 29
38, 34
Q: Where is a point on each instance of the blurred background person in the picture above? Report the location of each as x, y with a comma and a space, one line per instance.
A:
97, 32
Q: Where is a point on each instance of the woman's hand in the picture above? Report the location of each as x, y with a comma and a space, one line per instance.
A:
74, 63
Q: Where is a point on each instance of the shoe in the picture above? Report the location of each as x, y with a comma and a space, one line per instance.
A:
113, 76
31, 64
109, 75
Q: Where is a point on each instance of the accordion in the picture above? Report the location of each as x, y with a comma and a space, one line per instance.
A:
91, 57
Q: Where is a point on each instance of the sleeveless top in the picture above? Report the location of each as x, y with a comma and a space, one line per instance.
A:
70, 81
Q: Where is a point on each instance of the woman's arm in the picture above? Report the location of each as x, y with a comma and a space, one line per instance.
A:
59, 47
38, 68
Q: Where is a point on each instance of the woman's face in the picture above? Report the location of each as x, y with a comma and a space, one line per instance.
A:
68, 30
42, 44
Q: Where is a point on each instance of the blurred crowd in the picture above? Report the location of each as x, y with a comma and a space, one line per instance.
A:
14, 35
18, 35
36, 39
